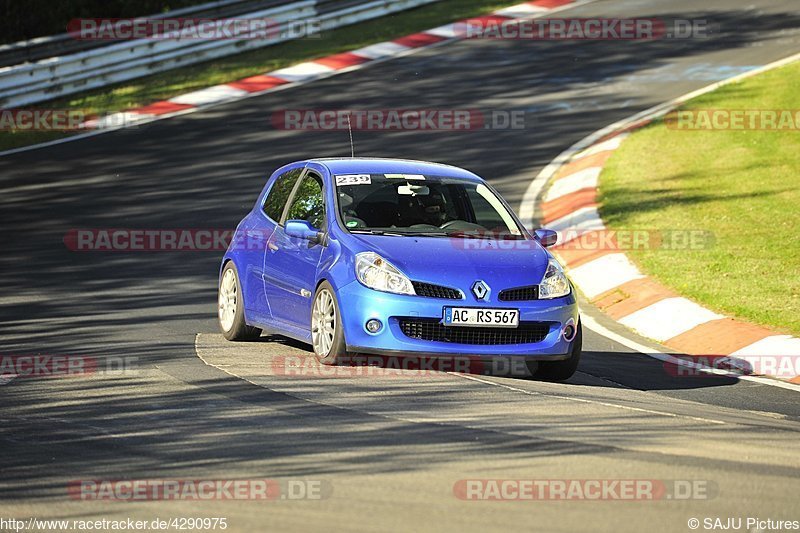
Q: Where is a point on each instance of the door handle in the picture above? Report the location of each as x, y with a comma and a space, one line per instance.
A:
272, 246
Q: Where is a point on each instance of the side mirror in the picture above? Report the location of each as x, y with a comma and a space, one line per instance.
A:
302, 229
546, 237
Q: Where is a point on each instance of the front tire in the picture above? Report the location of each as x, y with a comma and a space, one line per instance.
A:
562, 370
230, 307
327, 333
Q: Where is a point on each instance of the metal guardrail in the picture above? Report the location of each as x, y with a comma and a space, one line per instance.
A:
42, 80
64, 43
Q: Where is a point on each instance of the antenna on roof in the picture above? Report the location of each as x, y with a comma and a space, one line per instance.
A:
350, 131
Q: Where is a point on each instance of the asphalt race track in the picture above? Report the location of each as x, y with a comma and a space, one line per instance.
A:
388, 450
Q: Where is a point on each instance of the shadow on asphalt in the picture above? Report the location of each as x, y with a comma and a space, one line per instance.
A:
614, 370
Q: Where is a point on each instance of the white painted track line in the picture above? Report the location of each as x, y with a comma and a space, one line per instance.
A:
584, 400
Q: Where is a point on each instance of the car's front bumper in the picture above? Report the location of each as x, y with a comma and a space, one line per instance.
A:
360, 304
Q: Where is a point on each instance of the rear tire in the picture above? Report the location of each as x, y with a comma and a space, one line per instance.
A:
230, 307
562, 370
327, 333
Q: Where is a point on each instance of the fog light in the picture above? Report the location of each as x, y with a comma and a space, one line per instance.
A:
374, 326
569, 332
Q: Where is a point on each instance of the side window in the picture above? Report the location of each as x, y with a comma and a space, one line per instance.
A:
279, 194
308, 203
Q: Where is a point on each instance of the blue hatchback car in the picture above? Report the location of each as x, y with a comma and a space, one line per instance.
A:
398, 258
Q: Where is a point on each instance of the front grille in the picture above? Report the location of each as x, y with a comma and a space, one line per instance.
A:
519, 294
436, 291
431, 329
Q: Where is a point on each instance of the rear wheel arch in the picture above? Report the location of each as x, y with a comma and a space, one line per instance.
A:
225, 261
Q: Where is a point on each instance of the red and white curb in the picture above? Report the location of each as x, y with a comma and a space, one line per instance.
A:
613, 283
306, 72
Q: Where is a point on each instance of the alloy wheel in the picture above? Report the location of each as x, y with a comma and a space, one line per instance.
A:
323, 323
227, 300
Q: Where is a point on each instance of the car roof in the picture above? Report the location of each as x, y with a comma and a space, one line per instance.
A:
377, 165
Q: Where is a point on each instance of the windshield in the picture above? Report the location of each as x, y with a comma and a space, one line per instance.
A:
422, 205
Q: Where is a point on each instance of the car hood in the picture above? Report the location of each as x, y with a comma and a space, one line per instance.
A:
459, 262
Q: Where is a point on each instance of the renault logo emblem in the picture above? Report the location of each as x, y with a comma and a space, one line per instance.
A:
480, 290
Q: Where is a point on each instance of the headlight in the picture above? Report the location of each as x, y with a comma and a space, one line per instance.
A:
555, 283
377, 273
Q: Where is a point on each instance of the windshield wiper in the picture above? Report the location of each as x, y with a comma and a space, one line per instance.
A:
364, 231
485, 236
425, 233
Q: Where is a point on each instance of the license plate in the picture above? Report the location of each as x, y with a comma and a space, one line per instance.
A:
470, 316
